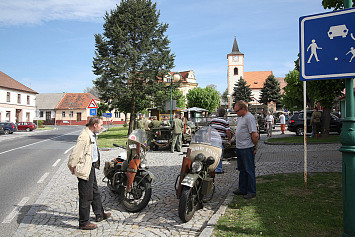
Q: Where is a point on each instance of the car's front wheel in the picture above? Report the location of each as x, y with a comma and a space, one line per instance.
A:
299, 131
28, 129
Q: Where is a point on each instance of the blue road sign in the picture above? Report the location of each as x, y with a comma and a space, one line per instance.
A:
107, 115
92, 112
327, 45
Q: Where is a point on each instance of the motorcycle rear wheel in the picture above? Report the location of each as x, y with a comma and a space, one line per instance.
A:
139, 196
188, 203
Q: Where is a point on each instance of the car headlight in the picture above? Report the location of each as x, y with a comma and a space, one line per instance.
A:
196, 166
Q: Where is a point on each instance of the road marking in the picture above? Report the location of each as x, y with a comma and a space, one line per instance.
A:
43, 178
34, 143
68, 150
56, 163
16, 211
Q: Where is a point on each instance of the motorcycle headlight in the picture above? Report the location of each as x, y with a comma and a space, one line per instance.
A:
144, 164
196, 166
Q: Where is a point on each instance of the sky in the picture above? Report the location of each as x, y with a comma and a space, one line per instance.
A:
48, 45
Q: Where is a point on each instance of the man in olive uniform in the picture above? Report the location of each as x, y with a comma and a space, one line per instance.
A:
155, 123
141, 121
177, 125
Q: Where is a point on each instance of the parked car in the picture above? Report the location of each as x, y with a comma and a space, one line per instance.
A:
8, 127
28, 126
295, 123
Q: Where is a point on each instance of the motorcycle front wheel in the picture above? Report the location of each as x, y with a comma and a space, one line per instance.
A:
188, 203
139, 195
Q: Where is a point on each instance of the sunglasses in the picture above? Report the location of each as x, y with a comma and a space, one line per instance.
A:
237, 110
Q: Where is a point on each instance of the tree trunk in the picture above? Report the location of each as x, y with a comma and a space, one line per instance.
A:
132, 117
326, 121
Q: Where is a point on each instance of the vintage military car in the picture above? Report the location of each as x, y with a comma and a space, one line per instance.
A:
162, 136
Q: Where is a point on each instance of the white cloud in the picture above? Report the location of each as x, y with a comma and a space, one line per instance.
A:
19, 12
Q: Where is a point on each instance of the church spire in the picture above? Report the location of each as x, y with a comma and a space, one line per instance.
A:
235, 49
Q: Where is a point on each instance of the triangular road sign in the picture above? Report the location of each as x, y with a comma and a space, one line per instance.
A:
93, 105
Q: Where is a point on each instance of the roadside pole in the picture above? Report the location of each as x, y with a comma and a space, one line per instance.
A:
305, 133
347, 139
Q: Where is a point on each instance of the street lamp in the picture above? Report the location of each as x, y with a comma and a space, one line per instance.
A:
176, 77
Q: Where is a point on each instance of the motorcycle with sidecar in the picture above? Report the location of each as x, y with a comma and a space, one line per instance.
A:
128, 175
195, 183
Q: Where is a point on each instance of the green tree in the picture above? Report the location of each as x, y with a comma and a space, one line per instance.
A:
224, 96
271, 91
164, 95
131, 57
92, 90
103, 107
241, 91
336, 4
206, 98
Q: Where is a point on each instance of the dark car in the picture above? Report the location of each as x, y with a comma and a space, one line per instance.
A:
8, 127
28, 126
295, 123
2, 130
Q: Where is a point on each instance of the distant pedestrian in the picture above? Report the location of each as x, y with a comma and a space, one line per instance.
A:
269, 120
282, 122
222, 126
83, 160
247, 138
315, 121
177, 125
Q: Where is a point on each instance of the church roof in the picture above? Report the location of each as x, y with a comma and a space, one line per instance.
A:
235, 49
256, 79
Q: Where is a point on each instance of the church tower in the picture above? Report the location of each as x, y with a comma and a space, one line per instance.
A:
235, 69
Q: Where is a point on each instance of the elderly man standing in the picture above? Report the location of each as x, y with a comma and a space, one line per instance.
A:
177, 125
247, 139
83, 160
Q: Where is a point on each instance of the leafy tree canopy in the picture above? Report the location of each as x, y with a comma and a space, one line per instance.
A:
336, 4
241, 91
131, 55
206, 98
271, 91
164, 95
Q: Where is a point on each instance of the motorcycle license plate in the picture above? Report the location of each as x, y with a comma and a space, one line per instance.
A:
162, 141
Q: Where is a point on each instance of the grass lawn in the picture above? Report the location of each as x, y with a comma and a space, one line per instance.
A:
283, 207
46, 128
116, 135
299, 139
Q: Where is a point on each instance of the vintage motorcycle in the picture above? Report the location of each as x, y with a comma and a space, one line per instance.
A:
127, 175
196, 179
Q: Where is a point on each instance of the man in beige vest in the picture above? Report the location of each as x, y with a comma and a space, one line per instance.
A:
83, 160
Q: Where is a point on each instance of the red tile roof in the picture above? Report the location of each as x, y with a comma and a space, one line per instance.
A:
76, 101
256, 79
10, 83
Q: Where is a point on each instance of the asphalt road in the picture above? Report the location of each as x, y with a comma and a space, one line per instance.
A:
28, 161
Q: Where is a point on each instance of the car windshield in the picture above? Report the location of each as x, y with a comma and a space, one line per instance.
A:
207, 135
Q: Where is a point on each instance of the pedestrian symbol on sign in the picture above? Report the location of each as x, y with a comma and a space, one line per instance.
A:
314, 48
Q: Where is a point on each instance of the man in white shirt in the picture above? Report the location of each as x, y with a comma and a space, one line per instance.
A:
282, 122
269, 123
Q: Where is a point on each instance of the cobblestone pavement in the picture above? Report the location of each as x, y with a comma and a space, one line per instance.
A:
55, 213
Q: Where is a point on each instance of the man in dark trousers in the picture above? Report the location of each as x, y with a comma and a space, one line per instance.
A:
177, 125
83, 160
247, 138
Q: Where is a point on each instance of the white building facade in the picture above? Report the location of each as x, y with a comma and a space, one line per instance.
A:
17, 101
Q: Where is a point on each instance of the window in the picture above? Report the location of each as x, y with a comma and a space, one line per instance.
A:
8, 97
63, 114
117, 114
18, 98
235, 71
28, 99
7, 115
41, 114
71, 114
27, 116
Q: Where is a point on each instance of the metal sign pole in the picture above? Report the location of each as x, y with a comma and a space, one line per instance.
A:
347, 139
305, 133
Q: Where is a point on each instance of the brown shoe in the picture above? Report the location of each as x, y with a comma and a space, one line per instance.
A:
88, 226
103, 217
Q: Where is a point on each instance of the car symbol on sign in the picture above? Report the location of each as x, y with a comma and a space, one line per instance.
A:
339, 30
